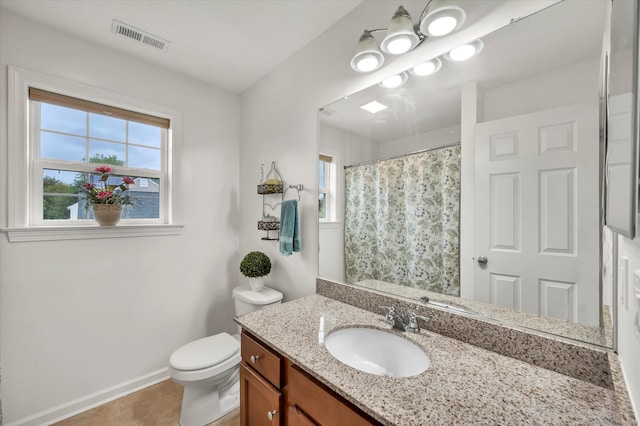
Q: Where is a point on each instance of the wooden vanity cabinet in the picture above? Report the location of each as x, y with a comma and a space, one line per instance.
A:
269, 380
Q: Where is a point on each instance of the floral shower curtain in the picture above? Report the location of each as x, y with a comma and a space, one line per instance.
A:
402, 220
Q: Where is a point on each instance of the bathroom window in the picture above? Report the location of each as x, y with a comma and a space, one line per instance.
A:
69, 131
326, 188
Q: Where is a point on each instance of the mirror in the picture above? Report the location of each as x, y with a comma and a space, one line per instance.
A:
621, 107
511, 141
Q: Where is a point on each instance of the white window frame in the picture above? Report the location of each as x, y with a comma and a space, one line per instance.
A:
330, 188
25, 173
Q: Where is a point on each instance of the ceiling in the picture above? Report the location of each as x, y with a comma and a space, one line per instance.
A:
227, 43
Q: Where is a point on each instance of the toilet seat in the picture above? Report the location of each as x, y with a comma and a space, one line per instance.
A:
190, 376
206, 353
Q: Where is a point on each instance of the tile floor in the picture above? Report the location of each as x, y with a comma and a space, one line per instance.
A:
157, 405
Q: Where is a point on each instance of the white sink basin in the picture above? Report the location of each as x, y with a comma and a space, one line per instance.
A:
377, 352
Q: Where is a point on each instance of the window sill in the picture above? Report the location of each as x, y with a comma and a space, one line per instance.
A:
330, 225
56, 233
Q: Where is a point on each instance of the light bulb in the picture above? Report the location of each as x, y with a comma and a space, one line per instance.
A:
424, 68
442, 18
399, 45
393, 81
368, 57
401, 34
462, 53
442, 26
367, 63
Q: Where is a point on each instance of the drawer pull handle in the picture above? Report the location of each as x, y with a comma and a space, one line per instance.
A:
254, 358
271, 414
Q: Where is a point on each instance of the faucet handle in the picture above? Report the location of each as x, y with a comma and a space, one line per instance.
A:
389, 316
414, 326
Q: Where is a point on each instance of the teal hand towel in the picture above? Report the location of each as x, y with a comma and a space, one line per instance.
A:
289, 228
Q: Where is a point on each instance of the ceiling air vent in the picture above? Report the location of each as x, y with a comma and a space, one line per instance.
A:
140, 36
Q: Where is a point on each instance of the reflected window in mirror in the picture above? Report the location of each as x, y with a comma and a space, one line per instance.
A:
326, 188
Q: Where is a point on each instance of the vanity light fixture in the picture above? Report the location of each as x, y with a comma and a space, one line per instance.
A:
465, 51
429, 67
394, 81
373, 107
403, 36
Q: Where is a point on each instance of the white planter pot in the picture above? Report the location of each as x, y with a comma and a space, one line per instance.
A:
256, 284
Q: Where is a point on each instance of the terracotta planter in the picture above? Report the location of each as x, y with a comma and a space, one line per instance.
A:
107, 214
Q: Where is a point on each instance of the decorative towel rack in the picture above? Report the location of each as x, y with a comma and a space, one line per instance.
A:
270, 187
298, 188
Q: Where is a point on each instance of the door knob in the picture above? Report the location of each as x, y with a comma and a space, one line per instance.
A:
482, 260
254, 358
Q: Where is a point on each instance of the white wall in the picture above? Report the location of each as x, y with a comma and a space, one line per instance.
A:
628, 314
428, 140
101, 316
559, 87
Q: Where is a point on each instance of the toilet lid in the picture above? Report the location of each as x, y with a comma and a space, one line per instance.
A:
205, 352
266, 296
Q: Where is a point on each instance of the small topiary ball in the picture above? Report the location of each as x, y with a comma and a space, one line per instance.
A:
255, 264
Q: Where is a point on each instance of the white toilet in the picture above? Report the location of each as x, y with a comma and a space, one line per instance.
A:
208, 368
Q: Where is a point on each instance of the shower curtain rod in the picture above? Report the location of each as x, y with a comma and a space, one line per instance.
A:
403, 155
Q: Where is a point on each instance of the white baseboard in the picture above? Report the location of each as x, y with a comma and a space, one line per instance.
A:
88, 402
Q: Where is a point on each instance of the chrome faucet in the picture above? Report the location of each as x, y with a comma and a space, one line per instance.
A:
397, 321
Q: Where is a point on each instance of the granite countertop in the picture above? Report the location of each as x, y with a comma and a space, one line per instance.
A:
464, 384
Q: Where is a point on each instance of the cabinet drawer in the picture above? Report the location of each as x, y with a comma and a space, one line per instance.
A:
262, 359
295, 417
319, 404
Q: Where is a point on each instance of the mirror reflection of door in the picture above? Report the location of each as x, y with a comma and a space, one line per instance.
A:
537, 213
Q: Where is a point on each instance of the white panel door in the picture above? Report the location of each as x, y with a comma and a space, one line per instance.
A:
537, 213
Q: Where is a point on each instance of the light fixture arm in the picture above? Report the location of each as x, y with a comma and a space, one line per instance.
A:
377, 30
424, 12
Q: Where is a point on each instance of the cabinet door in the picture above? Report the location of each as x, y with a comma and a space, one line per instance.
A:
295, 417
319, 405
260, 402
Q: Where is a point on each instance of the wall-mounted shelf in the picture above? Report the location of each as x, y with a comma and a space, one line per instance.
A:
266, 188
272, 189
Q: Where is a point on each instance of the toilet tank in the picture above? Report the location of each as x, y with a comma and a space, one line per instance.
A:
247, 300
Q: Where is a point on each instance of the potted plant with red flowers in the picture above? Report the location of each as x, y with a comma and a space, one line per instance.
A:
105, 199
